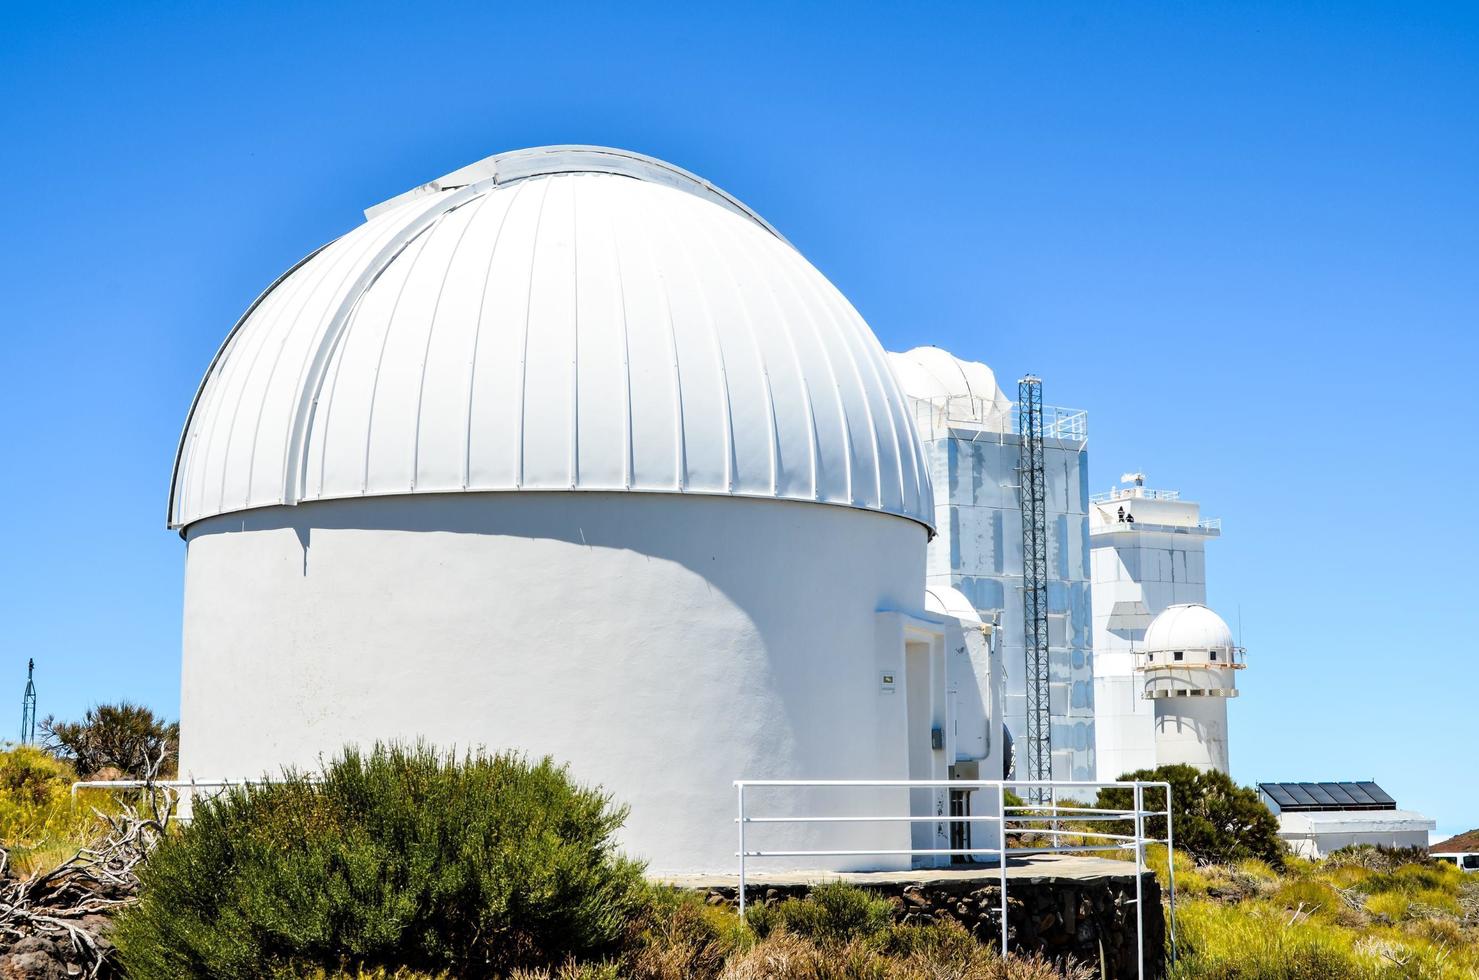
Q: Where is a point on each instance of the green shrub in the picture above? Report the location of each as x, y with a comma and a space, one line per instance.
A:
1412, 878
1374, 857
400, 858
1214, 819
831, 912
125, 737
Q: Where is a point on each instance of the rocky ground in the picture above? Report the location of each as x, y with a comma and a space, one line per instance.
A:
56, 923
53, 956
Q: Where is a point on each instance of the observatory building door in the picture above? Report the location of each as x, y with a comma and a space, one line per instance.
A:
924, 681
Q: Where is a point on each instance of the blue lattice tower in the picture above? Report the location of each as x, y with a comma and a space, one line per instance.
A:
1033, 482
28, 706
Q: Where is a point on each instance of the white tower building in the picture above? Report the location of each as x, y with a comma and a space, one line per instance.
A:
1189, 665
968, 427
1148, 554
569, 452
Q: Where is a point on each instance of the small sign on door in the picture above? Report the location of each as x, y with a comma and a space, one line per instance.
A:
886, 682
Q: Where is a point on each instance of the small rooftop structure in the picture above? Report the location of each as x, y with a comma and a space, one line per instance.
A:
1318, 818
1136, 507
959, 391
1299, 797
949, 601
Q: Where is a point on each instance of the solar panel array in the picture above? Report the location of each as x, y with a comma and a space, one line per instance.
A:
1328, 796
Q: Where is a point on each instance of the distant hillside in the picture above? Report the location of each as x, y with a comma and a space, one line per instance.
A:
1468, 841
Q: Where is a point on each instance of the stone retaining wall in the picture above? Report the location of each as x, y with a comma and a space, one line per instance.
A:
1090, 919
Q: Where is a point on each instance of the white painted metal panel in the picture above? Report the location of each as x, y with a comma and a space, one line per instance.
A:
567, 329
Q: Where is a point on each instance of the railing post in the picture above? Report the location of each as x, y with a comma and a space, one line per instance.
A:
1171, 873
1139, 886
1053, 802
1001, 843
740, 793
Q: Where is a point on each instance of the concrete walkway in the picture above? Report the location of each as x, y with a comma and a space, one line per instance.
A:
1041, 866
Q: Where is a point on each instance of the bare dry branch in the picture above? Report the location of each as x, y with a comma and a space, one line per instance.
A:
99, 878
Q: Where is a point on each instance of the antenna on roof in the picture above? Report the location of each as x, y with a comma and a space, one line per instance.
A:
28, 706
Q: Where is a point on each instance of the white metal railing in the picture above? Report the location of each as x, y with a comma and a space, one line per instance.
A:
1068, 424
1049, 819
1128, 525
1133, 493
985, 417
1237, 659
177, 788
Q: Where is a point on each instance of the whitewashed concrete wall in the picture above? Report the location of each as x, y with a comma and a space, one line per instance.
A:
1316, 846
978, 550
661, 645
1192, 731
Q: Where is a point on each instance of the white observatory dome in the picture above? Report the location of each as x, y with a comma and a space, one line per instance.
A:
966, 390
566, 318
1190, 626
950, 601
531, 460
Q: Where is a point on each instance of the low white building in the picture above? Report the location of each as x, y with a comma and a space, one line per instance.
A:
1318, 818
570, 452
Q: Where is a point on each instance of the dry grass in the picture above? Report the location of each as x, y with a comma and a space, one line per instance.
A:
40, 824
948, 955
1363, 915
838, 935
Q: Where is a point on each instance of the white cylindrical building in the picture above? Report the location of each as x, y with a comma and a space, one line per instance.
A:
567, 452
1189, 663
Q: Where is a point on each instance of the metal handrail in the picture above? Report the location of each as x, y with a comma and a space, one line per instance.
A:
1052, 814
989, 416
1133, 493
175, 786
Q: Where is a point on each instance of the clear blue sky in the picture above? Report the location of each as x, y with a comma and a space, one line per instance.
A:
1244, 237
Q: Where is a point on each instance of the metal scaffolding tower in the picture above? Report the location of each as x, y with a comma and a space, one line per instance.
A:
1033, 492
28, 706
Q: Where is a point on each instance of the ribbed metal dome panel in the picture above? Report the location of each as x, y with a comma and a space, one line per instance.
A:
568, 330
1190, 626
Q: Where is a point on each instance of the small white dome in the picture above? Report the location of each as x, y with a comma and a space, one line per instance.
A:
966, 390
949, 601
1191, 626
567, 318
